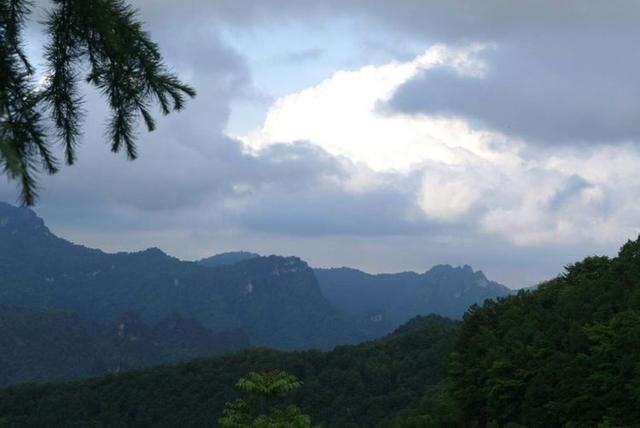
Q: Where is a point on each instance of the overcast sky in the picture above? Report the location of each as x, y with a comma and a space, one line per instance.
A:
381, 135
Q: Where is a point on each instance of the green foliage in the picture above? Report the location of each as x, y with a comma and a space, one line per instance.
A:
564, 355
23, 145
258, 409
352, 386
124, 64
268, 385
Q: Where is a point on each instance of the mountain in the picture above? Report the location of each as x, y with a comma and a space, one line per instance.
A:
381, 302
49, 346
351, 386
276, 301
377, 304
563, 355
229, 258
568, 351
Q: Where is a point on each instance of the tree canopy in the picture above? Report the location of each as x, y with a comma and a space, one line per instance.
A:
258, 408
564, 355
103, 37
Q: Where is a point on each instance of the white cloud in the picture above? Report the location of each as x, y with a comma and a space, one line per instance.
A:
496, 184
343, 115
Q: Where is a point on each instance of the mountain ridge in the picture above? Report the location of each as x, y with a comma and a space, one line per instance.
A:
275, 300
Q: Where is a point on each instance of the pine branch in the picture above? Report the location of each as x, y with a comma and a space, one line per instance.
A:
125, 65
61, 91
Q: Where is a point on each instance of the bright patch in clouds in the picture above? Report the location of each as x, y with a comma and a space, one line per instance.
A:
470, 175
344, 115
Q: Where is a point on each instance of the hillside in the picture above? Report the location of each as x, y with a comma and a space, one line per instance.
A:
566, 354
351, 386
44, 345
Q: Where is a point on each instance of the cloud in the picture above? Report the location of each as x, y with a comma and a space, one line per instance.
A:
557, 95
556, 73
342, 115
391, 166
469, 177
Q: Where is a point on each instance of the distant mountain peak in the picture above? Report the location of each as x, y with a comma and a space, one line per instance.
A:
15, 219
154, 251
464, 269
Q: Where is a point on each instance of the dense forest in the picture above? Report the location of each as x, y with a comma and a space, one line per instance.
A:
41, 345
350, 386
566, 354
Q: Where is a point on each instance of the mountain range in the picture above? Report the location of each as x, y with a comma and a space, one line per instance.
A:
248, 299
380, 303
564, 354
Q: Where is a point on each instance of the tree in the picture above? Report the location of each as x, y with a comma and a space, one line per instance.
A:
257, 410
104, 37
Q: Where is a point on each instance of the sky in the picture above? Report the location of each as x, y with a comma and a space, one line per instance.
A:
386, 136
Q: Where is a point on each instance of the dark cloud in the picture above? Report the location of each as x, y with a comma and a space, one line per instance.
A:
559, 72
573, 186
451, 21
329, 209
550, 95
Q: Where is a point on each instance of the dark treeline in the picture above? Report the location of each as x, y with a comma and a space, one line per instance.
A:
567, 354
350, 386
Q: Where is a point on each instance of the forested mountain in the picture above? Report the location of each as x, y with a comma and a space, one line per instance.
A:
275, 300
565, 354
377, 304
351, 386
45, 345
381, 302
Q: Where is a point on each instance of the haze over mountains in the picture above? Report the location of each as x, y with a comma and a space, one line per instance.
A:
191, 309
